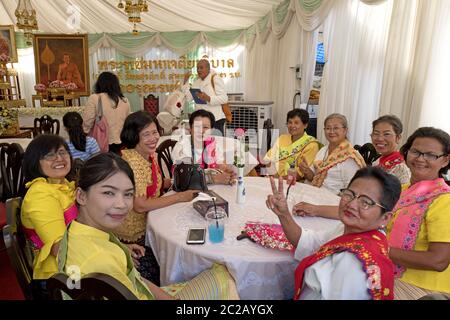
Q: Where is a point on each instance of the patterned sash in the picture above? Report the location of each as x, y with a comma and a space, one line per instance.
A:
69, 214
390, 161
409, 213
371, 250
208, 158
289, 154
156, 188
343, 152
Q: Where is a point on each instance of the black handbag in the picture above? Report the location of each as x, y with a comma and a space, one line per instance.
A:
189, 177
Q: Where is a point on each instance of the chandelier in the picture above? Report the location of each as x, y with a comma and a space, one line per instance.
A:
133, 9
26, 18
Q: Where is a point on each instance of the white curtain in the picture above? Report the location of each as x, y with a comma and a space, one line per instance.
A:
25, 69
417, 69
355, 36
270, 70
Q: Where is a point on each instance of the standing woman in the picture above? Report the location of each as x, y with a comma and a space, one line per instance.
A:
140, 136
386, 134
419, 232
48, 205
115, 108
336, 163
81, 146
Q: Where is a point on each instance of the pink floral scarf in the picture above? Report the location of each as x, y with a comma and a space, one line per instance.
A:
409, 213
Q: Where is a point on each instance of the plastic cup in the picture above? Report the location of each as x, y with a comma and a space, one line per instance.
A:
216, 224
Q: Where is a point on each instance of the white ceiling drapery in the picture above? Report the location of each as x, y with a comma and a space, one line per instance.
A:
98, 16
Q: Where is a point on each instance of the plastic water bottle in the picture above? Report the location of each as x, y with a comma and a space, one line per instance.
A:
240, 190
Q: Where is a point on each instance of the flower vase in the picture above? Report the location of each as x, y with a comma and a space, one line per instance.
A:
240, 188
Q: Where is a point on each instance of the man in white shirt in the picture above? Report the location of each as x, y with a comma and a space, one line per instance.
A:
214, 96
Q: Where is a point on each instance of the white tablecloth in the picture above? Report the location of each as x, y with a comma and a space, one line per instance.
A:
260, 273
24, 142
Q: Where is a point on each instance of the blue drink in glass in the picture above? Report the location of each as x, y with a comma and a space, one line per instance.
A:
215, 233
216, 224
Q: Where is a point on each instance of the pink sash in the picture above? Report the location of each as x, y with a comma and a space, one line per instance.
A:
69, 215
209, 154
409, 213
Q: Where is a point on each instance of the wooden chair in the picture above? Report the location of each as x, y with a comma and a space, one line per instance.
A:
260, 169
19, 251
151, 104
164, 154
368, 152
12, 178
77, 164
45, 125
94, 286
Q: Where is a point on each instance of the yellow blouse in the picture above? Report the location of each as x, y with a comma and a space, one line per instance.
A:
308, 152
90, 250
134, 225
43, 210
435, 227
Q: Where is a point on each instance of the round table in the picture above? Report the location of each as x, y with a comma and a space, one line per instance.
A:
260, 273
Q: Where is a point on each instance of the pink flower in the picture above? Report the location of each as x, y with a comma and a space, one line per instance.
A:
40, 87
4, 57
70, 86
239, 133
56, 84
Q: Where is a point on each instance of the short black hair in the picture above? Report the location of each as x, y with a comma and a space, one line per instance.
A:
101, 167
389, 185
134, 124
429, 132
204, 114
301, 113
36, 150
394, 121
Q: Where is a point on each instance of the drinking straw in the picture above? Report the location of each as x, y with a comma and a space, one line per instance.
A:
215, 212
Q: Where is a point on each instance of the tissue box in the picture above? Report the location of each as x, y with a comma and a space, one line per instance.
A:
202, 206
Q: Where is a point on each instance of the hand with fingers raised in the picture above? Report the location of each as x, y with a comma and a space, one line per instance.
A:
277, 201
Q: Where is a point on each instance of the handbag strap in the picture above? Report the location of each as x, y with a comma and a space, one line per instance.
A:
99, 110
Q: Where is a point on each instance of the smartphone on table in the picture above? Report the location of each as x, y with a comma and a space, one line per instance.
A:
196, 236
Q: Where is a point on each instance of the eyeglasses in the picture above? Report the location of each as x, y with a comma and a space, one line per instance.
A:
427, 156
52, 156
334, 129
386, 135
364, 201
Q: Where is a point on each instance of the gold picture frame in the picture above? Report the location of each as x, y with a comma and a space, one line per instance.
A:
62, 57
8, 39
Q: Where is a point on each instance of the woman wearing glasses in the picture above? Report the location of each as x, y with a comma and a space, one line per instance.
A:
336, 163
350, 261
48, 205
386, 134
419, 232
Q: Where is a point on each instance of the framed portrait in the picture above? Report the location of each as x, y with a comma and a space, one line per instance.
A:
62, 57
8, 42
